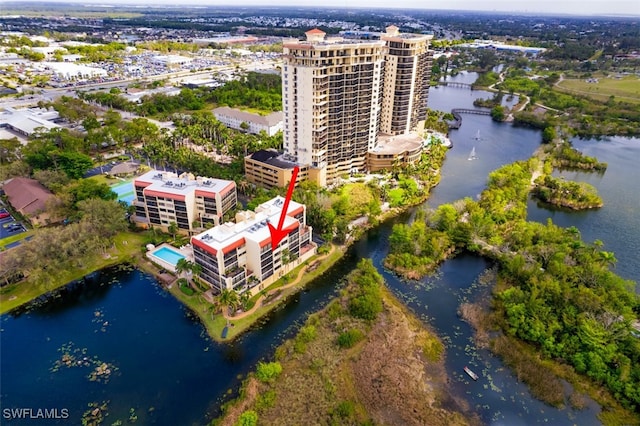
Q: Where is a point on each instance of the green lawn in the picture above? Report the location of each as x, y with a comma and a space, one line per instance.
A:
126, 249
625, 89
105, 179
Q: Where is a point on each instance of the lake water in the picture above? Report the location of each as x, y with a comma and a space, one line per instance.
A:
170, 372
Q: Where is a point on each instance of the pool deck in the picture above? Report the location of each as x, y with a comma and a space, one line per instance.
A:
184, 250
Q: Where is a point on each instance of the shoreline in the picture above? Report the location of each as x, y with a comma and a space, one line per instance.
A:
238, 324
544, 378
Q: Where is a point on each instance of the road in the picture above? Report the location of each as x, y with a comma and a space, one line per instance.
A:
51, 94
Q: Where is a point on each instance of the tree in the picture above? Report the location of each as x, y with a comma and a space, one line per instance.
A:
498, 113
229, 298
88, 188
548, 134
183, 265
196, 269
248, 418
9, 150
243, 299
487, 59
106, 217
74, 164
173, 229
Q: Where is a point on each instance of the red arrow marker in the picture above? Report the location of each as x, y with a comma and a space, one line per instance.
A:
278, 234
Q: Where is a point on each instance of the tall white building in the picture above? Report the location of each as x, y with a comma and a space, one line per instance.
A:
407, 72
339, 94
331, 102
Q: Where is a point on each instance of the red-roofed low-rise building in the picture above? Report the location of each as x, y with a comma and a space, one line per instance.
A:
239, 256
29, 198
163, 198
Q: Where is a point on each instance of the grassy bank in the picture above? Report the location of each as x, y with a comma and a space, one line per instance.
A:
345, 369
126, 248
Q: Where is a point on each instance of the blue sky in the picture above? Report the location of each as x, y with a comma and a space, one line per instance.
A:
575, 7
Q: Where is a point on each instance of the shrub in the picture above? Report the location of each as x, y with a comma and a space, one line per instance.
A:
268, 371
349, 338
299, 347
184, 287
266, 400
248, 418
366, 306
345, 409
334, 310
307, 334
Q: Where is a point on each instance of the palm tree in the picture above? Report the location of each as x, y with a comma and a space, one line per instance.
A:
173, 229
244, 299
229, 298
196, 269
183, 266
607, 258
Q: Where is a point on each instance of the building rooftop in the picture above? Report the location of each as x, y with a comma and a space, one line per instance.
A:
170, 183
171, 59
28, 120
27, 195
397, 144
274, 158
250, 226
332, 42
265, 120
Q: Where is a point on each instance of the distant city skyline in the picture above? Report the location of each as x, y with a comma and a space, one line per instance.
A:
550, 7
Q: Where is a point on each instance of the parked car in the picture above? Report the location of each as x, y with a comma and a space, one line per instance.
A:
4, 215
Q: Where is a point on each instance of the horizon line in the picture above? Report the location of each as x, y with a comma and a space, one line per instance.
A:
139, 4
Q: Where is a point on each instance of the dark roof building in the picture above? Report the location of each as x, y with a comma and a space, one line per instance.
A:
29, 197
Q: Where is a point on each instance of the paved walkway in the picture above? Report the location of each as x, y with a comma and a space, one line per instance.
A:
258, 303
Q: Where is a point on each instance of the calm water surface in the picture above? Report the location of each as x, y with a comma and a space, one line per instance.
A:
170, 372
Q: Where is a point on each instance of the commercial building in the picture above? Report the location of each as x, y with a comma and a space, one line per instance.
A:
25, 122
340, 94
163, 198
73, 71
240, 255
253, 123
171, 61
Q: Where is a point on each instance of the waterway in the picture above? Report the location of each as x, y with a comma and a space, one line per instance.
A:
168, 370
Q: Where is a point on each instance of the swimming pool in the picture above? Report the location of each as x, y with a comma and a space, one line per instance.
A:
168, 255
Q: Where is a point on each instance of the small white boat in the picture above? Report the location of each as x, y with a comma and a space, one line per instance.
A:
472, 154
477, 136
471, 374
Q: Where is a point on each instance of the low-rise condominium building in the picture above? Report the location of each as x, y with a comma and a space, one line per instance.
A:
163, 198
248, 121
239, 256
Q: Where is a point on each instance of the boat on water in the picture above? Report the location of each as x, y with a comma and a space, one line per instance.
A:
477, 137
472, 154
471, 374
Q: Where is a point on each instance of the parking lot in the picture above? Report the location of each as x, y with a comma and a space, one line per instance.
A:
9, 226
